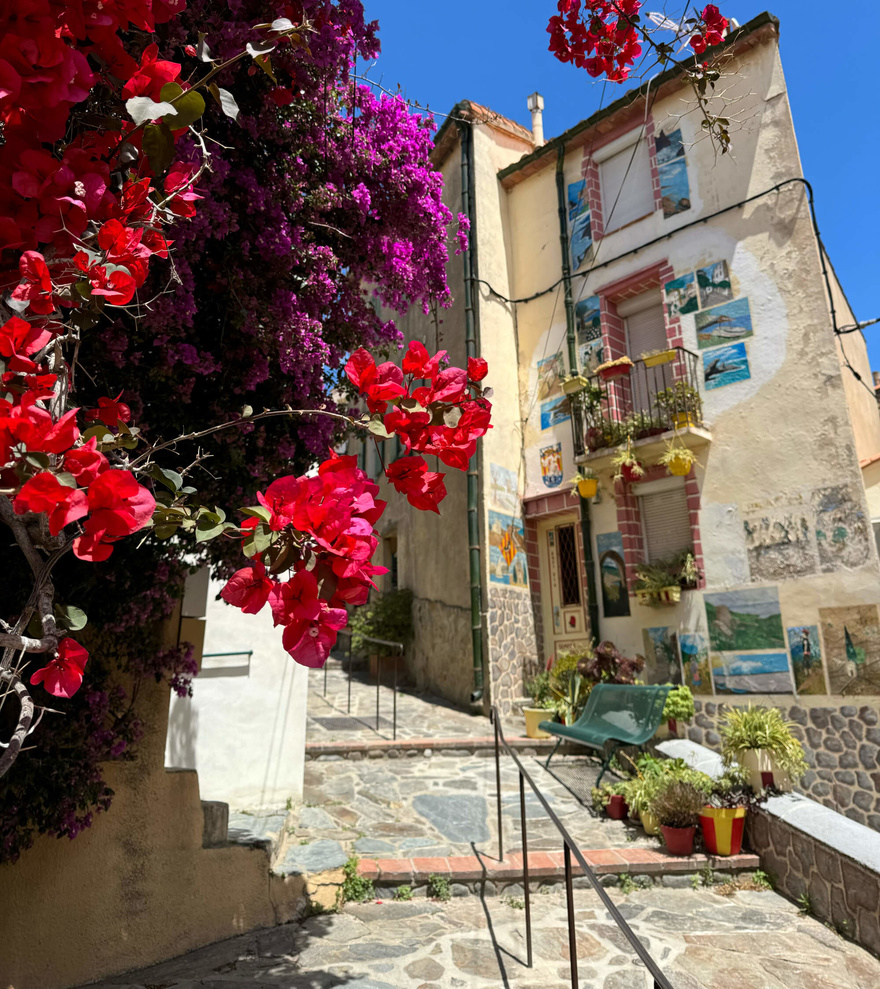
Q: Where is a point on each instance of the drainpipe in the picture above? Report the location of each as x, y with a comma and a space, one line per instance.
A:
586, 524
469, 257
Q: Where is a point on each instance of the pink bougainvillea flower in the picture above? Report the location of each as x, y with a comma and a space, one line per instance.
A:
310, 642
36, 287
118, 506
477, 368
248, 588
63, 675
110, 411
86, 462
295, 599
152, 75
45, 493
19, 339
424, 489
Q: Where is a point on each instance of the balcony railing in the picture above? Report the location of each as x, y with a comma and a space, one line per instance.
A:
658, 394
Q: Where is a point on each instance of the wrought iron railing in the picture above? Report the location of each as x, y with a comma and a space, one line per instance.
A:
655, 395
398, 652
570, 850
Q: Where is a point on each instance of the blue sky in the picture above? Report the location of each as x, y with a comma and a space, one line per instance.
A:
496, 54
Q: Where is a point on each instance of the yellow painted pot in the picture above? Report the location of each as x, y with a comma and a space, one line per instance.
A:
671, 594
588, 487
656, 359
534, 716
650, 823
680, 465
723, 829
682, 419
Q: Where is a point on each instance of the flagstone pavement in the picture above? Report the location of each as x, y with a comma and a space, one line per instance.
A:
700, 940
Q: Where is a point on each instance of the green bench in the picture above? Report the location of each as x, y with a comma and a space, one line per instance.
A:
626, 714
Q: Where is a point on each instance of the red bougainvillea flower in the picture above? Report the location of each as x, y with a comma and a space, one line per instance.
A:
63, 676
86, 462
152, 75
45, 493
309, 643
417, 362
248, 588
19, 339
177, 186
117, 286
110, 411
424, 489
477, 368
295, 599
36, 288
118, 506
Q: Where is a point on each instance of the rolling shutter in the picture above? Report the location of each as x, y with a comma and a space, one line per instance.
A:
646, 330
631, 190
666, 523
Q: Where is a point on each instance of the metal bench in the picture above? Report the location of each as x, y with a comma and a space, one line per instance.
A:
626, 714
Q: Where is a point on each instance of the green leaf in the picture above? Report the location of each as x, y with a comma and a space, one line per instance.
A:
189, 105
377, 427
68, 480
257, 512
265, 63
263, 538
100, 432
206, 530
170, 478
39, 460
158, 145
227, 103
69, 617
142, 108
165, 531
202, 50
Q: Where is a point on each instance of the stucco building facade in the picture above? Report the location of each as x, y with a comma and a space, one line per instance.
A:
629, 235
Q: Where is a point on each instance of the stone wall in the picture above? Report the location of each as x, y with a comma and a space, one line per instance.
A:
841, 742
511, 644
441, 659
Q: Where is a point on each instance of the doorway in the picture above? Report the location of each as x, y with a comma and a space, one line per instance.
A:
563, 598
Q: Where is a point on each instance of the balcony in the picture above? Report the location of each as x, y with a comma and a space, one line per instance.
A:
658, 394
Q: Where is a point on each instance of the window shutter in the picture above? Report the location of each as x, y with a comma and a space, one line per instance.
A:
666, 523
636, 193
646, 331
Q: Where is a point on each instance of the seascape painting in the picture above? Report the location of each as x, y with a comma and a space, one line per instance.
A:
551, 371
669, 146
674, 188
725, 366
722, 324
555, 411
695, 662
507, 550
751, 673
612, 570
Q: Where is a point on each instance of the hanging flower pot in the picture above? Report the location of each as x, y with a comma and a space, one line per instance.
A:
663, 357
680, 466
679, 841
682, 419
631, 472
587, 487
645, 598
621, 367
723, 829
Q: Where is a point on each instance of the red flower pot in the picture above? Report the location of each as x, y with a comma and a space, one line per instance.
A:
617, 807
723, 829
628, 473
618, 371
679, 841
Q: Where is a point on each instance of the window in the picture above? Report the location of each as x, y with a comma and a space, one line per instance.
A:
391, 561
645, 332
568, 565
625, 178
666, 521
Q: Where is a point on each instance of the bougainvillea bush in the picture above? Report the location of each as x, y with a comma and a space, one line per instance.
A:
192, 202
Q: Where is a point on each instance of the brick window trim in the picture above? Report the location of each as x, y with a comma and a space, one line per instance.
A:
629, 523
613, 328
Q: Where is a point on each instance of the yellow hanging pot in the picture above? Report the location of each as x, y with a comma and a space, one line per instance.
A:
588, 487
680, 465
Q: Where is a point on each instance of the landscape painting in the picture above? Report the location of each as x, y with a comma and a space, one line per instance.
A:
588, 325
674, 188
661, 656
503, 488
722, 324
695, 662
744, 620
852, 649
551, 371
612, 570
555, 411
751, 673
806, 659
681, 295
580, 231
714, 282
507, 550
669, 146
725, 366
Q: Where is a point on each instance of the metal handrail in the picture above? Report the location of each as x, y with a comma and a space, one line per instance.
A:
569, 849
381, 642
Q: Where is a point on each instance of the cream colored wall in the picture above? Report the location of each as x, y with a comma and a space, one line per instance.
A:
776, 438
137, 887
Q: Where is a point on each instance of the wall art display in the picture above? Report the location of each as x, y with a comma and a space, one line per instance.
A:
751, 673
722, 324
580, 229
588, 325
612, 573
555, 411
503, 488
744, 620
661, 656
695, 662
669, 146
551, 371
507, 550
714, 282
843, 530
551, 465
725, 366
681, 295
851, 637
675, 191
806, 659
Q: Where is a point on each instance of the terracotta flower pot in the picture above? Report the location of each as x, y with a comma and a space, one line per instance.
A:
534, 716
723, 829
679, 841
617, 808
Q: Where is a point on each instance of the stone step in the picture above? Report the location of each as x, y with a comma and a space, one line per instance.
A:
376, 748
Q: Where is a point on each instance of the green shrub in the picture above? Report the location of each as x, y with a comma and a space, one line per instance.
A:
403, 893
538, 688
677, 804
438, 887
355, 888
679, 704
385, 616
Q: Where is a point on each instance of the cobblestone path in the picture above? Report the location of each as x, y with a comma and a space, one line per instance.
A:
701, 940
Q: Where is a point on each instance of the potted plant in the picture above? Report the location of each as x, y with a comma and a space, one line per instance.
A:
723, 816
762, 742
678, 459
574, 384
654, 586
638, 425
628, 468
617, 368
677, 805
386, 616
679, 706
653, 358
611, 797
681, 403
586, 482
571, 698
542, 708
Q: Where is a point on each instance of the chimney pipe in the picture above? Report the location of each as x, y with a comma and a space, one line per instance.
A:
876, 375
536, 105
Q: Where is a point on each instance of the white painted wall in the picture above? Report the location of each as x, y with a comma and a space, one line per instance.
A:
245, 735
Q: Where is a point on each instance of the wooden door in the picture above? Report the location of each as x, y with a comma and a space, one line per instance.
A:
563, 596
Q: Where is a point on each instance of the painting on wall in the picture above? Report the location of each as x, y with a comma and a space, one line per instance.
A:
675, 191
725, 366
580, 230
503, 488
806, 659
551, 465
507, 550
681, 295
722, 324
695, 662
852, 648
661, 656
714, 282
843, 531
551, 371
744, 620
555, 411
669, 146
612, 573
751, 673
